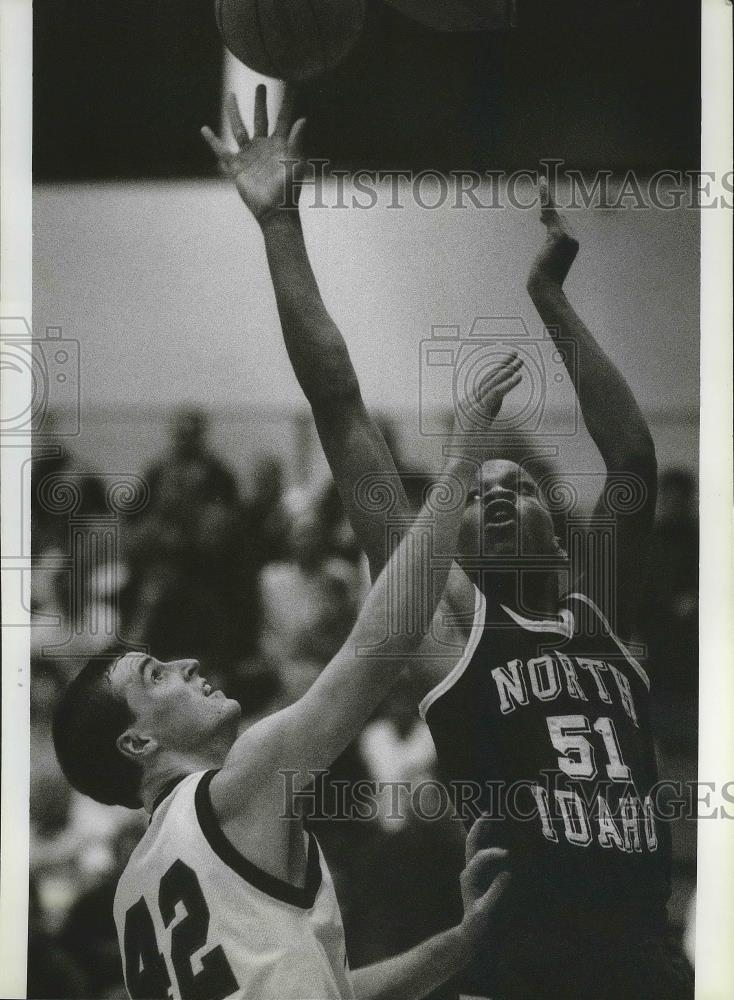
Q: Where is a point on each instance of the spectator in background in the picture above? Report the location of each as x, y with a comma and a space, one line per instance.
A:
397, 748
88, 934
50, 794
407, 856
192, 559
52, 972
190, 471
62, 490
311, 598
266, 513
53, 464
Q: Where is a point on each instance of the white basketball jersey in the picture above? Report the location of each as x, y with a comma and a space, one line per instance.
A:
197, 921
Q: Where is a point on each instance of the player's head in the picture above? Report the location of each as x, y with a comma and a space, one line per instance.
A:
506, 515
188, 431
123, 713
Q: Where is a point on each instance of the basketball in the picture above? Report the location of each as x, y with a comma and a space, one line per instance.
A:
292, 40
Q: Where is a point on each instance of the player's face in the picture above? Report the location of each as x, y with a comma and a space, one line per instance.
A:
505, 515
173, 704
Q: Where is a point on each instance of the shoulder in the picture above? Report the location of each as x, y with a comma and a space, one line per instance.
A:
460, 612
249, 829
246, 796
446, 656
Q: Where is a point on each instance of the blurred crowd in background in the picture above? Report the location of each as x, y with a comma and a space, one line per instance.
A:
262, 583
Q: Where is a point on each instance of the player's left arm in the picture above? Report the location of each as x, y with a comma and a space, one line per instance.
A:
431, 964
611, 414
353, 444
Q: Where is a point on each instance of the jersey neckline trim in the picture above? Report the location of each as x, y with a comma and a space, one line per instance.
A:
168, 788
304, 898
564, 624
480, 614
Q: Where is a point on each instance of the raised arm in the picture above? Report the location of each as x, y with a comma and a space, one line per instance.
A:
395, 619
353, 443
610, 411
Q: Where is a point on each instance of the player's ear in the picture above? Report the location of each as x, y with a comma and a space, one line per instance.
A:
135, 746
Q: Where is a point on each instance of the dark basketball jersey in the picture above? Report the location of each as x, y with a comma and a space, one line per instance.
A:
544, 725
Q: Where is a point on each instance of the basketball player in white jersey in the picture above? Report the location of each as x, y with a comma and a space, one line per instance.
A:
226, 897
545, 687
223, 898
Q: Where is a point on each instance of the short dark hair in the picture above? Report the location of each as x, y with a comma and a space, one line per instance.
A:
87, 723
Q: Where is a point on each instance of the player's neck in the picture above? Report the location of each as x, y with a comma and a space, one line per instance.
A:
527, 592
170, 767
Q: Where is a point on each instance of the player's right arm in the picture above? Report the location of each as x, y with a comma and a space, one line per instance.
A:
353, 443
612, 416
395, 619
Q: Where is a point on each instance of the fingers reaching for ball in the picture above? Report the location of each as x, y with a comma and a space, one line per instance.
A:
481, 836
295, 139
268, 170
502, 372
286, 128
261, 111
239, 129
219, 148
498, 383
290, 131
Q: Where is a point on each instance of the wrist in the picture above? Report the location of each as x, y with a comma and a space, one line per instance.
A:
543, 286
279, 218
459, 947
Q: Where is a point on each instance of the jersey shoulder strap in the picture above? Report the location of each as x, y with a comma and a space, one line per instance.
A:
589, 607
477, 630
270, 885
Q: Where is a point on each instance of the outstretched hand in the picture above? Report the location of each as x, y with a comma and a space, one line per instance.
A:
480, 404
266, 168
552, 264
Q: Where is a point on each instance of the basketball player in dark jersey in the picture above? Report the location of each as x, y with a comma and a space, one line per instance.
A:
544, 721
